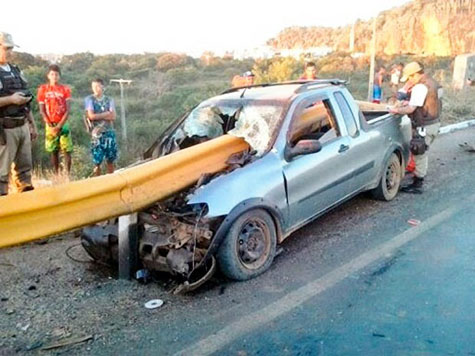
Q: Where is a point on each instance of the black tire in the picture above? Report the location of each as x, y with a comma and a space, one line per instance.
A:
390, 182
249, 246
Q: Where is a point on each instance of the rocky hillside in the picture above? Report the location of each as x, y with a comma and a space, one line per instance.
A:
423, 27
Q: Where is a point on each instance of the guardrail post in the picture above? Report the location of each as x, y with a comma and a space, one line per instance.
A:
128, 246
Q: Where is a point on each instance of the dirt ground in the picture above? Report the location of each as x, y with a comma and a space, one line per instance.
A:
48, 297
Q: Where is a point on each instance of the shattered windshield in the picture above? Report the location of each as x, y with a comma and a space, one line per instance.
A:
253, 120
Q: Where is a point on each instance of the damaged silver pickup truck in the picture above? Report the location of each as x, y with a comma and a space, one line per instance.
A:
312, 148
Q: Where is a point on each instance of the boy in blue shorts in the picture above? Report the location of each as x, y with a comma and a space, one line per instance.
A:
100, 110
378, 85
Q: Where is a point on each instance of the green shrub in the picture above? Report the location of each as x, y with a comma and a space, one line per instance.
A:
166, 85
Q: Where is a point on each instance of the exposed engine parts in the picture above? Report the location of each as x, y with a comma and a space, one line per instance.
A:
174, 238
171, 244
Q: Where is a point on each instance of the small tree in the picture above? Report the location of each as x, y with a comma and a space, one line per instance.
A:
25, 60
277, 70
78, 62
168, 61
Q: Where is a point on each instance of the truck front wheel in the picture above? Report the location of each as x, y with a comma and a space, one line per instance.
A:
249, 246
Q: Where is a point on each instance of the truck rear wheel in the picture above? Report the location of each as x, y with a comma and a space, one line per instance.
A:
390, 180
249, 246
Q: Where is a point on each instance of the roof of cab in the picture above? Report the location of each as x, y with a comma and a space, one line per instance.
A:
277, 91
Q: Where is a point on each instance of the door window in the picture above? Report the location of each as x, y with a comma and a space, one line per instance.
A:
347, 114
313, 119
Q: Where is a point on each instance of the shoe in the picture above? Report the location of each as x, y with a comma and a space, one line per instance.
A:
25, 188
415, 187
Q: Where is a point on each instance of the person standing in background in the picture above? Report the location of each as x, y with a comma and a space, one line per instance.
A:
395, 79
243, 80
100, 110
54, 103
378, 85
17, 126
310, 72
396, 73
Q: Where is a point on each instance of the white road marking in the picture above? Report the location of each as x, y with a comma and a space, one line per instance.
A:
244, 325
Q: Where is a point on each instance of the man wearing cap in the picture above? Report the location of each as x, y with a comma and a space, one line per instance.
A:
248, 77
243, 80
424, 109
17, 127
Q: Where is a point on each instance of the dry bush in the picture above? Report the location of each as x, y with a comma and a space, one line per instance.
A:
458, 105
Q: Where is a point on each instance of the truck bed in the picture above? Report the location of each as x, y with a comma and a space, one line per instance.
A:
373, 113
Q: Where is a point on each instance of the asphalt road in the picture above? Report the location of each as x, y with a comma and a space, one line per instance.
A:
359, 280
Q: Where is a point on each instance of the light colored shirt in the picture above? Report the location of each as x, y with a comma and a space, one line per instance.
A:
418, 95
395, 76
99, 106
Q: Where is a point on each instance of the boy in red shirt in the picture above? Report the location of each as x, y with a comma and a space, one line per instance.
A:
54, 103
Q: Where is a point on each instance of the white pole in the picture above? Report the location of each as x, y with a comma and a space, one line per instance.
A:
122, 112
122, 105
352, 38
372, 65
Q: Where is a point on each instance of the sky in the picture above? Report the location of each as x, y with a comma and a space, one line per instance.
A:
138, 26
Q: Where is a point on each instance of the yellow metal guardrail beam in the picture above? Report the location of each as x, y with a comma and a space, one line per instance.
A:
52, 210
369, 106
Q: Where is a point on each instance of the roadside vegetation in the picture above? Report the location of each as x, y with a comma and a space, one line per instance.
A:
166, 85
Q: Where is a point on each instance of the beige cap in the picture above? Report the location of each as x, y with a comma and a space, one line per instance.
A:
410, 69
6, 40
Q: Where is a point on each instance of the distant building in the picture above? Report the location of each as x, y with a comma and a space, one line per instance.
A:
51, 57
254, 53
312, 52
358, 54
464, 71
264, 52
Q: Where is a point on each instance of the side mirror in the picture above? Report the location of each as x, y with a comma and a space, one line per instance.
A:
302, 147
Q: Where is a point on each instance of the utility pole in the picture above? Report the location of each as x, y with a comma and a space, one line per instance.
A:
372, 65
352, 37
122, 107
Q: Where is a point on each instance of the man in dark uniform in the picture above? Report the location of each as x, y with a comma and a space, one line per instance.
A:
17, 127
424, 110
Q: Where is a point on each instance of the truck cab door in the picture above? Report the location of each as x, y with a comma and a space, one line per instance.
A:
362, 151
316, 181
